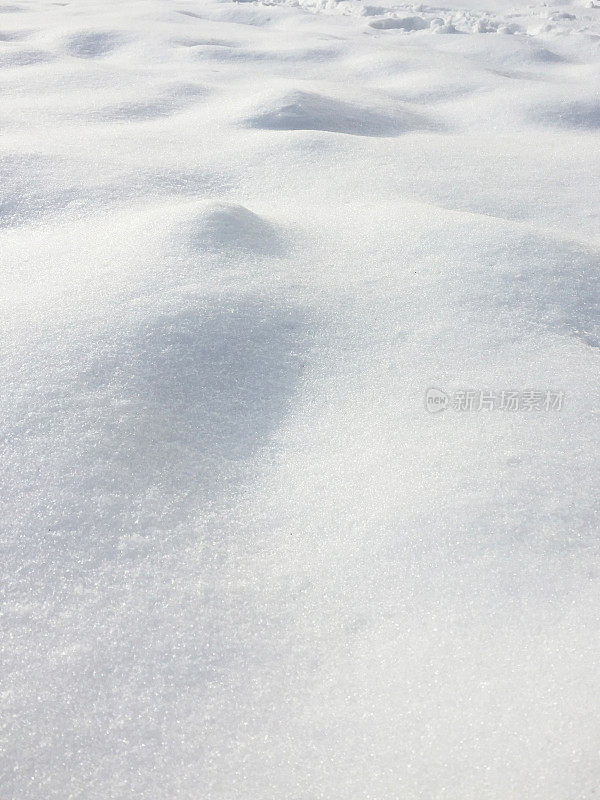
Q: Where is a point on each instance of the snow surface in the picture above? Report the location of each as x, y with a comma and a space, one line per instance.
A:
239, 558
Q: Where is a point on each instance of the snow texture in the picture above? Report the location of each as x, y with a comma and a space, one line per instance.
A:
238, 242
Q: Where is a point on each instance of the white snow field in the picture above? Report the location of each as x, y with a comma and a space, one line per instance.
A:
241, 560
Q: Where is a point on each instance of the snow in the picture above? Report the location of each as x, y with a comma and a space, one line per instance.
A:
239, 242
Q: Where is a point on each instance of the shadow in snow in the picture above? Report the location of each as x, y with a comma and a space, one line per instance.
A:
578, 115
174, 99
33, 187
558, 286
93, 44
132, 431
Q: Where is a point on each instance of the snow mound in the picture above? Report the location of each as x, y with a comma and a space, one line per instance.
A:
307, 111
223, 227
